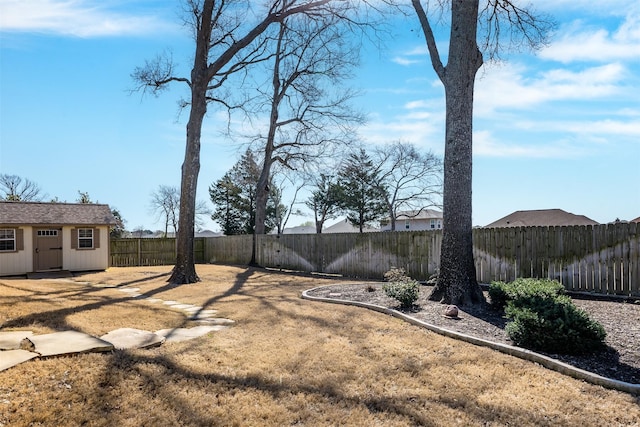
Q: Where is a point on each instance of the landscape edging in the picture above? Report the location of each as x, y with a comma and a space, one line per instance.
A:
519, 352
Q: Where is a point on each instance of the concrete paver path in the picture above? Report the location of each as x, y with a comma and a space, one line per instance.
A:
12, 358
19, 346
66, 342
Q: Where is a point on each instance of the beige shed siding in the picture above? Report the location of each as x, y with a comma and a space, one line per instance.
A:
12, 263
85, 259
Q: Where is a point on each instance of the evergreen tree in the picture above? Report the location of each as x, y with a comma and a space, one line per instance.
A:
360, 197
234, 198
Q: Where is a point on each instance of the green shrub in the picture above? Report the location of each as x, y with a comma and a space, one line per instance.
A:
401, 287
396, 275
523, 290
543, 318
554, 325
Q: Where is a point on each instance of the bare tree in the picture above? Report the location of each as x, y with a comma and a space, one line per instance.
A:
413, 180
308, 111
226, 42
457, 282
165, 202
84, 198
18, 189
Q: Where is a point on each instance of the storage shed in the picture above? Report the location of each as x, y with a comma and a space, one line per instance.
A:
41, 237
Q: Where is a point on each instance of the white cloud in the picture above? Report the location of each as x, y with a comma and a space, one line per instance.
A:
412, 105
405, 61
81, 18
420, 125
594, 129
599, 8
598, 44
485, 145
507, 87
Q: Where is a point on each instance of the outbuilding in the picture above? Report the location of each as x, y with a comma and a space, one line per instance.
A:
45, 237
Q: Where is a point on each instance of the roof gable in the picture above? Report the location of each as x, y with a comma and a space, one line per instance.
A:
37, 213
541, 218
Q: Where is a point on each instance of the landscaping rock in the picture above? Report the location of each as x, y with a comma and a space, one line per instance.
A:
11, 340
451, 311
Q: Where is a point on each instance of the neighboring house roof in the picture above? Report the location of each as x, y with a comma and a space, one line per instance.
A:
423, 214
635, 220
208, 233
37, 213
299, 229
542, 217
345, 226
170, 234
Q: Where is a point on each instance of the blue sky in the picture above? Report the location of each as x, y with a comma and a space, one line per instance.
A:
556, 129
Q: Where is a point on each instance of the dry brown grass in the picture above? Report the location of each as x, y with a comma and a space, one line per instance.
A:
286, 361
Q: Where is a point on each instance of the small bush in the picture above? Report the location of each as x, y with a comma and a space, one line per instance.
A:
401, 287
554, 325
523, 291
544, 318
396, 275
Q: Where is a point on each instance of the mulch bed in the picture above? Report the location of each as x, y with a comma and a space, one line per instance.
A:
620, 319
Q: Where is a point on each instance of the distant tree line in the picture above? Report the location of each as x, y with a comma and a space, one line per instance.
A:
365, 187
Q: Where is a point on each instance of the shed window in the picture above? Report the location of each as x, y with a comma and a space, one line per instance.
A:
85, 238
7, 240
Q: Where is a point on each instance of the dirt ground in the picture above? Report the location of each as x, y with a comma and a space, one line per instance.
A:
286, 361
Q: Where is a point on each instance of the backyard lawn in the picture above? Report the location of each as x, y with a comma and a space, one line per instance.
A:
285, 361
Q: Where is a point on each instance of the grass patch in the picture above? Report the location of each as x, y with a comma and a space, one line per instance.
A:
286, 361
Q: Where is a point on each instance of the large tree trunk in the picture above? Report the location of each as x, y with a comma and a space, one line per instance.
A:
185, 271
457, 282
262, 194
262, 190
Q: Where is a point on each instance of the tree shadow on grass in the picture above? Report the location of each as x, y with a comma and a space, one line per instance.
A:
419, 408
56, 318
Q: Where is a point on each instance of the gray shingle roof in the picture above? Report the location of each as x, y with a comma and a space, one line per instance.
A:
542, 217
36, 213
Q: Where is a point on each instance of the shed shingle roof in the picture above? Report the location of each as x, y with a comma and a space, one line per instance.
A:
37, 213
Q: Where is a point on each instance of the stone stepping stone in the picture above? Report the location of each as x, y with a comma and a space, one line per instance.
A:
66, 342
203, 315
183, 306
133, 292
11, 340
217, 321
153, 300
99, 285
126, 338
192, 309
171, 303
12, 358
184, 334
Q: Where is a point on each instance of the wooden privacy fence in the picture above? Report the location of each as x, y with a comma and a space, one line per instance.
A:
602, 259
139, 252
